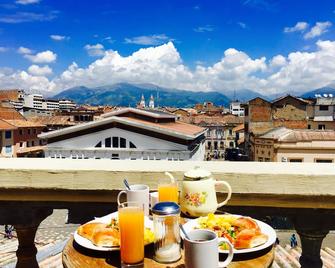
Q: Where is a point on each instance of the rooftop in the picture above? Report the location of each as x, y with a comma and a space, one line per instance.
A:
298, 135
10, 114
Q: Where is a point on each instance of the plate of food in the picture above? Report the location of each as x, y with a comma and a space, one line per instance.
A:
103, 233
245, 233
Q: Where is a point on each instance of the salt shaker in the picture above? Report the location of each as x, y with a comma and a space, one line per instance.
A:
167, 233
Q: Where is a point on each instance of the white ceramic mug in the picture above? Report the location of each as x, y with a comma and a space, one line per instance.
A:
137, 193
202, 250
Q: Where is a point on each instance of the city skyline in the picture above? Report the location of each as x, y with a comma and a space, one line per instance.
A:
266, 46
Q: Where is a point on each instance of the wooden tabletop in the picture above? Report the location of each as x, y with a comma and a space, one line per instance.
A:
75, 256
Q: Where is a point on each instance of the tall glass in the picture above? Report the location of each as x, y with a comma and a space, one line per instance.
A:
131, 223
168, 192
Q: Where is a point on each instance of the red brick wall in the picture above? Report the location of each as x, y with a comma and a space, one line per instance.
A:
25, 136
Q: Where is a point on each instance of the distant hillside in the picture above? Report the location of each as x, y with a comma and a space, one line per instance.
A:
323, 90
125, 94
245, 95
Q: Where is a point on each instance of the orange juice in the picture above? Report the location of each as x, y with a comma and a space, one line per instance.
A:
131, 222
168, 192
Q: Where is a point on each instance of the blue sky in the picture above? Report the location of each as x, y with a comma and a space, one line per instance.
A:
253, 32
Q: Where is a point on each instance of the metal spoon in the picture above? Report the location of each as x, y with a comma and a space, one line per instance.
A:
184, 232
126, 184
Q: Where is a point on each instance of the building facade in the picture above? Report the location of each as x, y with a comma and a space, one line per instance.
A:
295, 145
236, 108
129, 134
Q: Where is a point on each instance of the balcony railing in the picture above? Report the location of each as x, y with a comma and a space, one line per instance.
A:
31, 188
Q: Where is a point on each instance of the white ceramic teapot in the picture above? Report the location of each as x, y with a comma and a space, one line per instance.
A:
198, 194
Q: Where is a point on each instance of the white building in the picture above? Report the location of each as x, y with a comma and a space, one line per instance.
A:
129, 134
66, 105
33, 101
236, 109
49, 104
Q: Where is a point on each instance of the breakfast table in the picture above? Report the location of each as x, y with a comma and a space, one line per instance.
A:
75, 256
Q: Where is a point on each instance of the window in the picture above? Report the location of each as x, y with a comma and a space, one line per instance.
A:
230, 132
132, 145
32, 143
98, 144
215, 145
21, 131
309, 126
8, 134
122, 143
115, 156
296, 160
260, 159
29, 131
321, 126
323, 107
266, 159
21, 144
108, 142
115, 142
209, 145
231, 144
8, 149
323, 160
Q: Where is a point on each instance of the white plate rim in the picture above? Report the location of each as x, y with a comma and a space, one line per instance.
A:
265, 228
86, 243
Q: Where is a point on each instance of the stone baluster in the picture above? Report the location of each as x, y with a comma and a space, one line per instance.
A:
26, 224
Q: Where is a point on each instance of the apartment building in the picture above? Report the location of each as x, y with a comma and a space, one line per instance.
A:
6, 139
66, 105
33, 101
15, 97
235, 108
50, 104
322, 113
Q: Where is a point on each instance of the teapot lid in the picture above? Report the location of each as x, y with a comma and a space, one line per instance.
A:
197, 173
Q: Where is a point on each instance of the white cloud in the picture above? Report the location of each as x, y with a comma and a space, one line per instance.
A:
27, 2
242, 25
95, 50
39, 71
202, 29
3, 49
278, 61
299, 27
20, 17
162, 65
148, 40
24, 50
319, 29
57, 37
42, 57
24, 80
109, 39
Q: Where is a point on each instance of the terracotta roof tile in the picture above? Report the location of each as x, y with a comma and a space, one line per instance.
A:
10, 114
177, 126
11, 94
6, 126
62, 120
213, 120
24, 123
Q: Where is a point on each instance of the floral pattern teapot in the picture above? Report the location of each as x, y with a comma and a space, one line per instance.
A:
198, 194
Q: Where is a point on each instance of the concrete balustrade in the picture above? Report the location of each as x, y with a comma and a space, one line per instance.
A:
31, 188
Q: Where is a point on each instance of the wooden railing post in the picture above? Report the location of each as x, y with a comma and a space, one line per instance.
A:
26, 226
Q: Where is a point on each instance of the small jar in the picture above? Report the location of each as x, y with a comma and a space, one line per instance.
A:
167, 233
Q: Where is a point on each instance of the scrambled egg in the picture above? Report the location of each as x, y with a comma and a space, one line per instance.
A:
149, 236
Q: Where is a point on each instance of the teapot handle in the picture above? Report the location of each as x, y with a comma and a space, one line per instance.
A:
228, 194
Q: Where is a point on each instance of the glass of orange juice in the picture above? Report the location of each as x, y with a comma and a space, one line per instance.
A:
168, 192
131, 224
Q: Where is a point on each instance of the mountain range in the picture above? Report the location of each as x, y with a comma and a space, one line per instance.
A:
126, 94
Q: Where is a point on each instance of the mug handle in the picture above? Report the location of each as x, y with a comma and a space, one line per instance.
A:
230, 254
119, 195
229, 192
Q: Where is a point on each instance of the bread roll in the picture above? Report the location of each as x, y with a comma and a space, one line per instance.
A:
87, 230
249, 238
